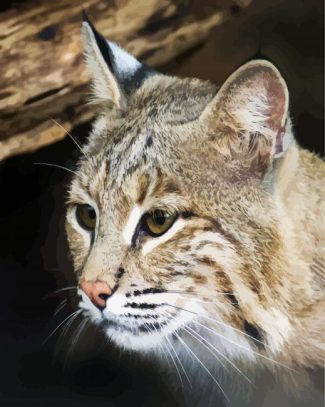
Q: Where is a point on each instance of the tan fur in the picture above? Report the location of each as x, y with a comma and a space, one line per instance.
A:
253, 248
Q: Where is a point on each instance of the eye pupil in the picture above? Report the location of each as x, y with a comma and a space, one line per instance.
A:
159, 217
91, 213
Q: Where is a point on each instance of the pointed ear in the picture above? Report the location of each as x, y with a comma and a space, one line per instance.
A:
247, 118
115, 73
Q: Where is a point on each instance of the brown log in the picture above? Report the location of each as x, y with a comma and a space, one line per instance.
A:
42, 69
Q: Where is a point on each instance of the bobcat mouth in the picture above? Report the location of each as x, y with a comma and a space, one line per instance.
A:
137, 332
141, 318
135, 325
137, 322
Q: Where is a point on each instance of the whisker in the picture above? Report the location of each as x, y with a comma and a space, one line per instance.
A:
205, 346
224, 324
71, 136
59, 291
68, 325
65, 320
130, 324
216, 321
165, 345
195, 294
64, 332
203, 365
216, 357
160, 344
59, 166
221, 354
207, 301
79, 331
230, 341
60, 306
175, 364
179, 361
171, 356
243, 347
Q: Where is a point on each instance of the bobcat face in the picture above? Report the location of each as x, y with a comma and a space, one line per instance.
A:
173, 221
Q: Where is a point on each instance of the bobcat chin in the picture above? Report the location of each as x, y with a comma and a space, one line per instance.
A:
195, 221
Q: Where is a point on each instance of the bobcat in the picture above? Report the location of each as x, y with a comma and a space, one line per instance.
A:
195, 221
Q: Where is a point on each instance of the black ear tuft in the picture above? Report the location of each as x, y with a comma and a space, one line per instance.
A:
101, 42
128, 71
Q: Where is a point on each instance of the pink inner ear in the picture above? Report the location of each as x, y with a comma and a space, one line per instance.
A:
253, 101
279, 141
276, 101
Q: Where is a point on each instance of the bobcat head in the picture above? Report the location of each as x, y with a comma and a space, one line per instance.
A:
175, 220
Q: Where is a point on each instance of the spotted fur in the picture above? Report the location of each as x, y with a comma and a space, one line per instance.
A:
245, 255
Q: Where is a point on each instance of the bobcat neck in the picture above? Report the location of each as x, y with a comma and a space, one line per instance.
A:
302, 195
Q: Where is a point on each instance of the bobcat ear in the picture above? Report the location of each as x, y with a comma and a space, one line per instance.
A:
115, 73
248, 116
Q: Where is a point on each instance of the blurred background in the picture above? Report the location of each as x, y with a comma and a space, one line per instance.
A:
43, 87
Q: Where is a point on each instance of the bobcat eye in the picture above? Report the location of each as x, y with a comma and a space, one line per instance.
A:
86, 216
158, 222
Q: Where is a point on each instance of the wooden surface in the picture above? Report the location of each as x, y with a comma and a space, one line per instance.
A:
43, 75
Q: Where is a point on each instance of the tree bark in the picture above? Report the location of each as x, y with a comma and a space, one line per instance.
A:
44, 79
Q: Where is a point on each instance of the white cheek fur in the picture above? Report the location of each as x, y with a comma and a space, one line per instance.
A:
131, 224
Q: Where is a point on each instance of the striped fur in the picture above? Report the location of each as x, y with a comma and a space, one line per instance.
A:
246, 249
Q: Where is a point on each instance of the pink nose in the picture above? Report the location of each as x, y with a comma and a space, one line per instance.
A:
97, 291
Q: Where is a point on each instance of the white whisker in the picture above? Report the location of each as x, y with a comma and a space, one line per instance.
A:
221, 354
67, 326
243, 347
65, 320
209, 350
207, 301
59, 166
169, 352
60, 290
60, 306
175, 364
79, 331
179, 361
203, 365
71, 136
195, 294
224, 324
230, 341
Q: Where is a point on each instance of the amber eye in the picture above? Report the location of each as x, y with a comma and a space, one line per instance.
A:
86, 216
158, 222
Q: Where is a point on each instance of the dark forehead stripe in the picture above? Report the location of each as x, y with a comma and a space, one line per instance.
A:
164, 184
149, 141
143, 185
121, 164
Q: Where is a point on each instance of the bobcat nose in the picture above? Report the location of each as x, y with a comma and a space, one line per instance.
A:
97, 291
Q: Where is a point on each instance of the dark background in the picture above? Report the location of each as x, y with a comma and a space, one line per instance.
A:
34, 259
